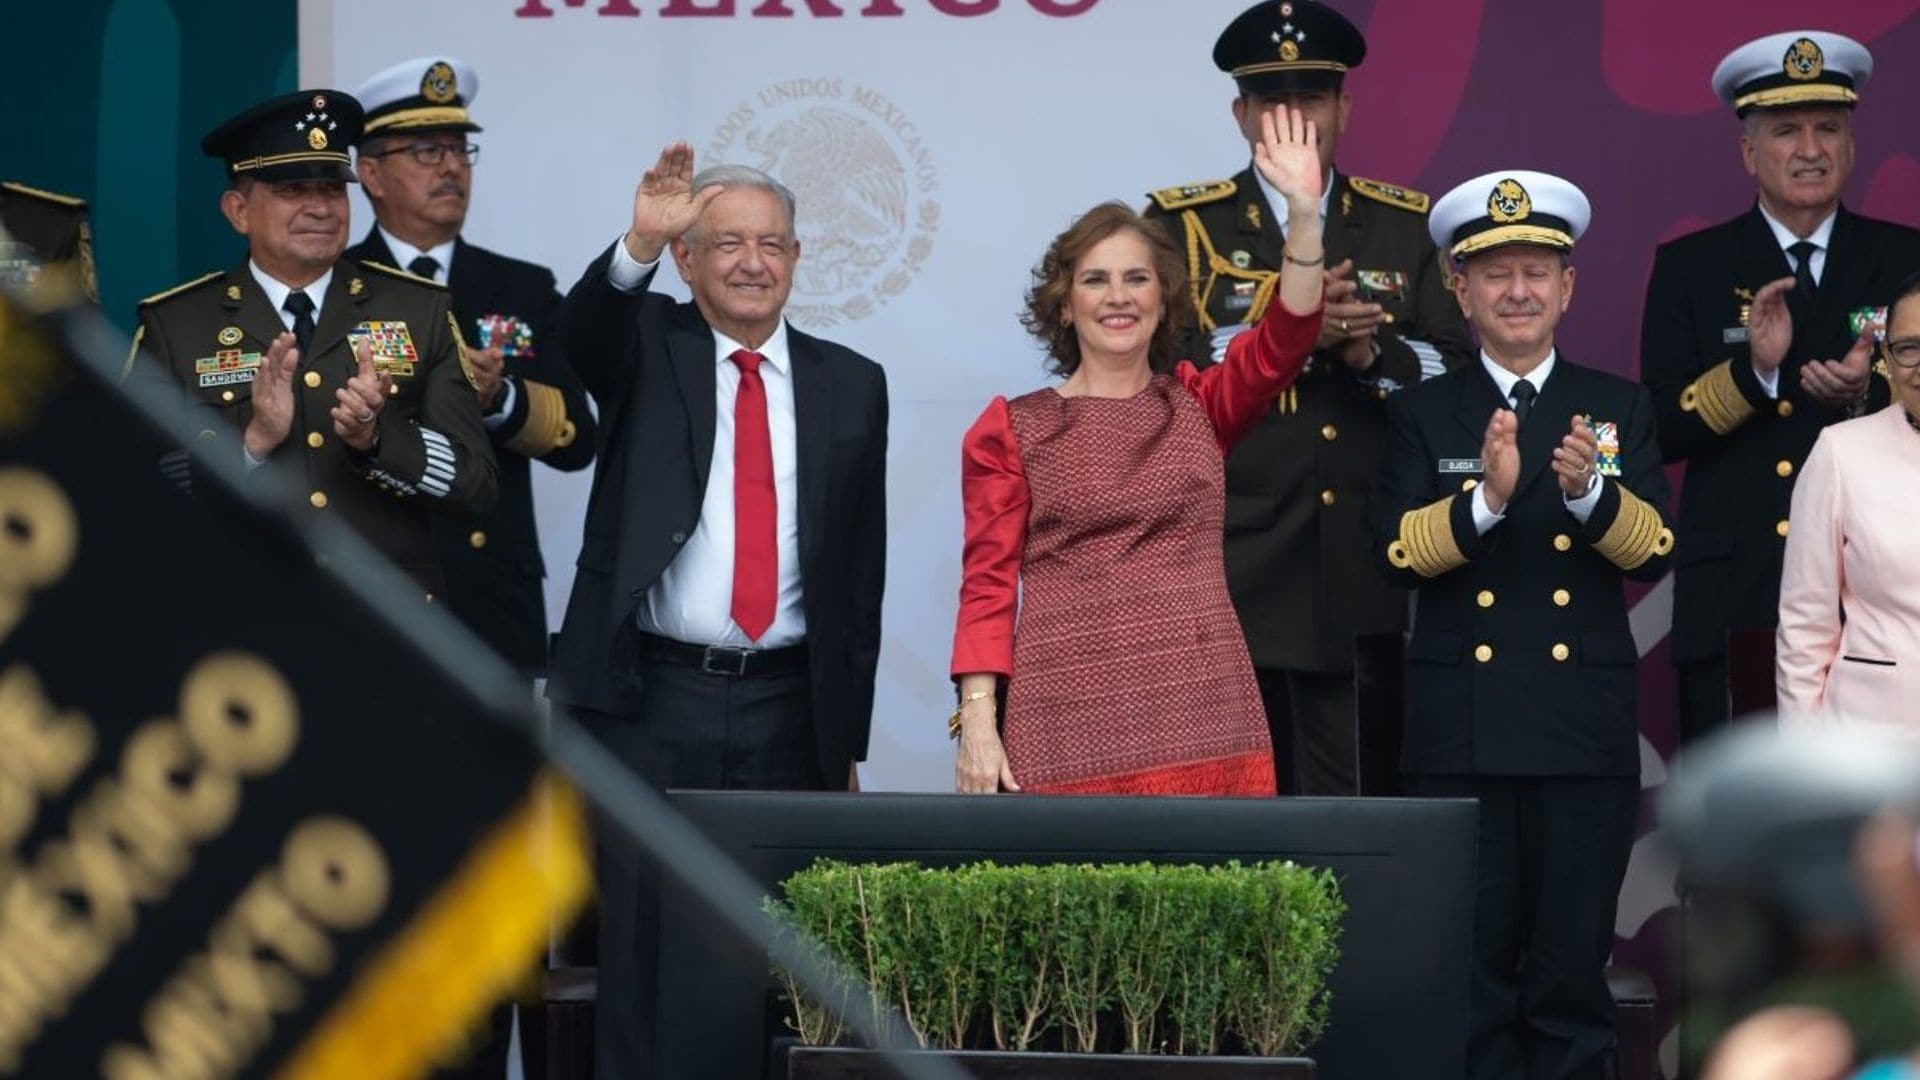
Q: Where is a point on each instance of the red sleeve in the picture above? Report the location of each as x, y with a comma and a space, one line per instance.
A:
993, 492
1258, 366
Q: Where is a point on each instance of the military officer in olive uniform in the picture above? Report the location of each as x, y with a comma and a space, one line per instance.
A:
1743, 419
350, 375
46, 244
416, 168
1298, 484
1516, 496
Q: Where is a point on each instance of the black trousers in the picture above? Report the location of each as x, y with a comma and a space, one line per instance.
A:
1311, 717
683, 729
1552, 853
1704, 703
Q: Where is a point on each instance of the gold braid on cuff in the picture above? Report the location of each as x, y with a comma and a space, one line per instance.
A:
1721, 405
547, 428
1426, 545
1636, 535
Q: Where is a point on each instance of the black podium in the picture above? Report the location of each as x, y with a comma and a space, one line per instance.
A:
1406, 870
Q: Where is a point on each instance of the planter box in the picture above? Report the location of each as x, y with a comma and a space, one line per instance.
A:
845, 1063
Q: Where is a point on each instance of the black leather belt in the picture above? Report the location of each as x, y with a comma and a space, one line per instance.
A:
727, 660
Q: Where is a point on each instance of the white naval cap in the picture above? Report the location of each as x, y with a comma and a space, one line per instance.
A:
1799, 67
1516, 206
427, 93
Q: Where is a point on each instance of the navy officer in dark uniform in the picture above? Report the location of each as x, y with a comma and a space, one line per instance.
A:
1516, 496
1298, 484
1744, 416
415, 165
352, 375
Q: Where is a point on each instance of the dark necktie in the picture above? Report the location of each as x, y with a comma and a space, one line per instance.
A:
1523, 394
301, 305
756, 552
1802, 252
425, 266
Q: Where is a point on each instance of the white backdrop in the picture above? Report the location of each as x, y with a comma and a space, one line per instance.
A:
934, 156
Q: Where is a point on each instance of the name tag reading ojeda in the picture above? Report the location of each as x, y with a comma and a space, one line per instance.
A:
1460, 465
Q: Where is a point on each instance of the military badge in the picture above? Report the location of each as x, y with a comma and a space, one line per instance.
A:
1242, 296
1607, 434
316, 138
1253, 216
19, 267
226, 367
439, 85
1867, 319
506, 333
1509, 202
1804, 60
393, 351
356, 287
229, 335
1241, 258
1381, 286
233, 293
1289, 52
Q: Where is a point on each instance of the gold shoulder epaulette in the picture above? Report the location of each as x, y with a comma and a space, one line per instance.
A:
1185, 195
182, 287
43, 195
394, 271
1404, 198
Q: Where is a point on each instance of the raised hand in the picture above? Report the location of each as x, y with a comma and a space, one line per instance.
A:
664, 205
1770, 326
1500, 459
272, 398
1840, 383
1288, 155
1574, 458
356, 418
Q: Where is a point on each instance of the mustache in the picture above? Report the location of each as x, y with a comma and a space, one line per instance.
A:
1518, 309
451, 187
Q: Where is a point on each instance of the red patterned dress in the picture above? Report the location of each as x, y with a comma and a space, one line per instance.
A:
1100, 520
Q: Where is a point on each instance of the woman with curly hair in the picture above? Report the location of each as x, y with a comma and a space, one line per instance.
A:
1095, 509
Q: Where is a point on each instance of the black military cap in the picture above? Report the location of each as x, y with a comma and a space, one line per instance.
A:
298, 136
1289, 46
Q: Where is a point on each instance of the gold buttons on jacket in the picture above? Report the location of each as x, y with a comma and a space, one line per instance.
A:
1781, 528
1561, 652
1483, 653
318, 499
1329, 432
312, 380
314, 439
1563, 542
1469, 485
1561, 598
1327, 497
1784, 469
478, 539
1485, 599
1786, 408
226, 395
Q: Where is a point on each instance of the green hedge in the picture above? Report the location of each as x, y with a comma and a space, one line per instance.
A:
1156, 959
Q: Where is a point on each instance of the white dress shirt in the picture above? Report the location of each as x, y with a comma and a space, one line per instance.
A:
693, 599
277, 293
404, 254
1582, 508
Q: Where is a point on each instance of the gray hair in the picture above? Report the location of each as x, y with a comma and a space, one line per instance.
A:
747, 177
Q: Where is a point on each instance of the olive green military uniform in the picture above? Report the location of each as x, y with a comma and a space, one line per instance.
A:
212, 335
1299, 484
46, 244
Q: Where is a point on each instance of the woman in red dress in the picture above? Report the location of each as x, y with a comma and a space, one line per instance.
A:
1096, 507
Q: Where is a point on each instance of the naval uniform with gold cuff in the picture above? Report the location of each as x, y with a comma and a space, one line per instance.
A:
432, 456
46, 243
492, 560
1299, 483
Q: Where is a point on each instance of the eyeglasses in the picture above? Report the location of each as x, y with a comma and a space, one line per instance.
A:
1905, 352
431, 154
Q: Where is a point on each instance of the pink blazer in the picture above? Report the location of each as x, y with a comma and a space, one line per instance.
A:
1848, 645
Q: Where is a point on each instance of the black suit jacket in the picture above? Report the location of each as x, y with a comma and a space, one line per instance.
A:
1739, 481
650, 365
1521, 660
1300, 482
492, 561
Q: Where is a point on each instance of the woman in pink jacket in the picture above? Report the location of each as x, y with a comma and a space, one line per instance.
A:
1848, 646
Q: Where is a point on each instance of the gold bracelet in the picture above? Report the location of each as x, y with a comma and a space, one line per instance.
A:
1319, 260
953, 722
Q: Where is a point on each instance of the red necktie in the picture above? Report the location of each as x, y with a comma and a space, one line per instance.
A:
756, 552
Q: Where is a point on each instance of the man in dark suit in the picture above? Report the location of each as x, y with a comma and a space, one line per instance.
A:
1742, 416
354, 376
1515, 497
724, 624
416, 168
1298, 484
